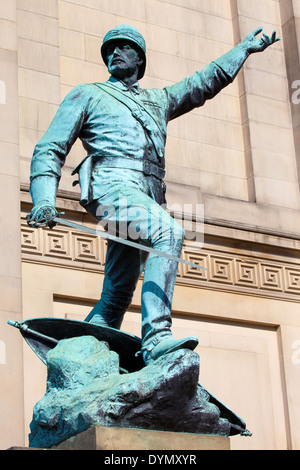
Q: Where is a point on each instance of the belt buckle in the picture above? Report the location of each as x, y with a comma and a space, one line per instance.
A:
147, 168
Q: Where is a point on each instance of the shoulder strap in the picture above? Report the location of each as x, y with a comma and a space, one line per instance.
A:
141, 114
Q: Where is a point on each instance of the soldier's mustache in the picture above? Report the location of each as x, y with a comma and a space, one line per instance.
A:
117, 59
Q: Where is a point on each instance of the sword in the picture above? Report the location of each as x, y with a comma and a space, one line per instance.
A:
124, 241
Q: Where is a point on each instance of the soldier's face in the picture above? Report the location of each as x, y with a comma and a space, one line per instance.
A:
122, 60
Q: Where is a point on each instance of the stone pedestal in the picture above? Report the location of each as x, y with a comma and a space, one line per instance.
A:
109, 438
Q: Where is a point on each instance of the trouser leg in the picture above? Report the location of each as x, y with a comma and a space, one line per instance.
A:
157, 295
123, 267
157, 229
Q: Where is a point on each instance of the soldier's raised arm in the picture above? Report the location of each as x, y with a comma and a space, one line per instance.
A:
194, 90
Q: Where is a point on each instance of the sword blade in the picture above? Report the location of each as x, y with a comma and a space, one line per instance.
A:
124, 241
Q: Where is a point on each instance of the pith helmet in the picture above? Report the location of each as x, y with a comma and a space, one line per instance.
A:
128, 33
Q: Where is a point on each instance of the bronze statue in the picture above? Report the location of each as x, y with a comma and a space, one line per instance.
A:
123, 130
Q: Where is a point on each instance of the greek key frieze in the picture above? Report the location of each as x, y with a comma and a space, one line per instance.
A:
223, 270
62, 245
258, 275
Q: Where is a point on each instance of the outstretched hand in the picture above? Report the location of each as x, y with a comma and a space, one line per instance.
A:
255, 44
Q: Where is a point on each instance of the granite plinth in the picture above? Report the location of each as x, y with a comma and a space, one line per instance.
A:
110, 438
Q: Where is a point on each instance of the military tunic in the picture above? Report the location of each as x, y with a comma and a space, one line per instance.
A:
107, 128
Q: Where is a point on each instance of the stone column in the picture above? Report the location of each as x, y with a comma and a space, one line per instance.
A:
11, 361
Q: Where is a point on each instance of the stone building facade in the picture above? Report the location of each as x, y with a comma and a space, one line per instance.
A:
237, 159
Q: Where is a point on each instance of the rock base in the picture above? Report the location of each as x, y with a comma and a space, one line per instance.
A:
85, 388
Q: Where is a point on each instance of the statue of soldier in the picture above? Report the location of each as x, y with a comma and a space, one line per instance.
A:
123, 131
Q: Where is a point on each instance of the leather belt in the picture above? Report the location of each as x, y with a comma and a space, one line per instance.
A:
145, 166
